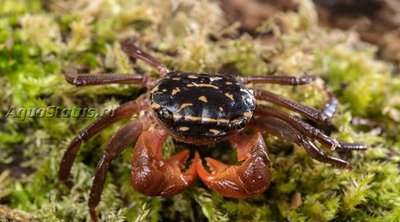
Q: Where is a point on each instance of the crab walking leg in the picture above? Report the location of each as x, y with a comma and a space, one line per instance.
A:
247, 180
330, 106
123, 111
122, 139
153, 176
128, 46
308, 130
73, 76
283, 130
280, 80
309, 112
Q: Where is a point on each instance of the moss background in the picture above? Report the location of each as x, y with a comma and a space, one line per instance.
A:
38, 38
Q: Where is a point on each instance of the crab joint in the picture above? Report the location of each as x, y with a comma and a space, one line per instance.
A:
247, 180
152, 176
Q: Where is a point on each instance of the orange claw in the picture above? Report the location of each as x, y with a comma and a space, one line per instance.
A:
152, 176
247, 180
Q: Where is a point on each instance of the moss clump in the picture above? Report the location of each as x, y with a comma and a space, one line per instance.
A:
37, 38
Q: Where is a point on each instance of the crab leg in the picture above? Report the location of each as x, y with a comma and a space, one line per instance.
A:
73, 76
247, 180
328, 110
308, 130
129, 48
152, 176
123, 111
281, 80
331, 105
310, 112
122, 139
283, 130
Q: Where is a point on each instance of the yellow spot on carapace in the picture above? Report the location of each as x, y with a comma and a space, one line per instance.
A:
214, 131
202, 85
175, 91
201, 119
228, 83
203, 99
208, 85
221, 109
215, 78
164, 90
176, 78
155, 105
155, 89
247, 114
184, 128
185, 105
192, 77
230, 96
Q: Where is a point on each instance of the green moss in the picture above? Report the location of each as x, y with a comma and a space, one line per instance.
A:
36, 40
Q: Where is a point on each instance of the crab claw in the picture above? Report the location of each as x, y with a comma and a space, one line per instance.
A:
152, 176
249, 179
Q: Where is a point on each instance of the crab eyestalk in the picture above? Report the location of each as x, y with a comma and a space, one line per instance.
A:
249, 179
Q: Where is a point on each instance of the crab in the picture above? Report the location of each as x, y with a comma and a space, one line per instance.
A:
200, 109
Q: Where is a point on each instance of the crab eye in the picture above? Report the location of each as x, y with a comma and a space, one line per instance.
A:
165, 116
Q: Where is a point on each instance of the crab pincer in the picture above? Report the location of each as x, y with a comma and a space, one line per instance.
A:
249, 179
153, 176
